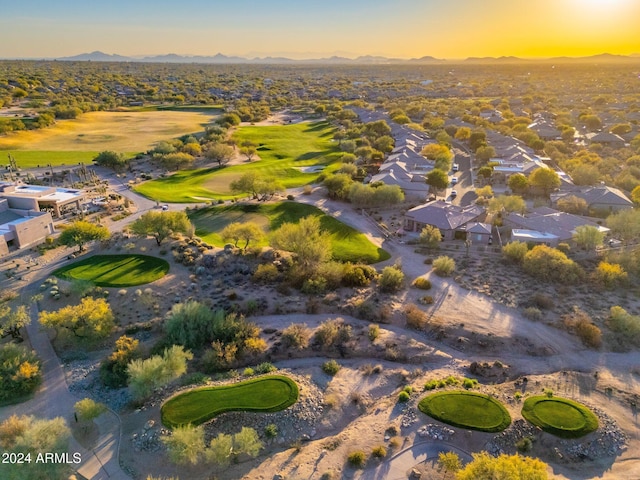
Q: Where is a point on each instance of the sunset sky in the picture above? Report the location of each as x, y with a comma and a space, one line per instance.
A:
315, 28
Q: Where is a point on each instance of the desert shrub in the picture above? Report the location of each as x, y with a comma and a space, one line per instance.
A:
422, 283
314, 286
580, 322
515, 251
265, 367
265, 273
550, 264
444, 266
391, 279
524, 445
379, 452
147, 375
20, 372
271, 430
610, 275
331, 401
395, 442
469, 383
357, 459
332, 332
543, 301
532, 313
296, 336
113, 370
357, 275
332, 274
415, 317
248, 372
331, 367
426, 300
374, 332
625, 326
403, 397
564, 248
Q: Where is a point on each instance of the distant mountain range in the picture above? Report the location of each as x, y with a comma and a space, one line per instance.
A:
362, 60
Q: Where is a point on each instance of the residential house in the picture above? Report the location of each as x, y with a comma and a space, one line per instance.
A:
601, 198
22, 228
448, 218
546, 225
606, 138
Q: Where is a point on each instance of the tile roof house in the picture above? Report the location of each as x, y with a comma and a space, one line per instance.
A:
601, 197
606, 138
552, 225
446, 217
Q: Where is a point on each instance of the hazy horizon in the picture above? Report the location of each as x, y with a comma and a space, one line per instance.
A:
450, 29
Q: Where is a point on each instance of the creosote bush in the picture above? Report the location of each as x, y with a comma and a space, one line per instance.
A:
391, 279
331, 367
296, 335
444, 266
422, 283
416, 318
357, 459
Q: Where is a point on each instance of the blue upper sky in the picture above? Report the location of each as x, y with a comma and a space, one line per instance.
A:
311, 28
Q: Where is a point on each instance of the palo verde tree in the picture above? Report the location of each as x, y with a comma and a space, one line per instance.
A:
247, 232
310, 245
92, 319
111, 159
545, 180
81, 232
20, 372
12, 320
161, 224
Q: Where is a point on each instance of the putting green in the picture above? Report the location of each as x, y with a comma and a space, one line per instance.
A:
265, 394
559, 416
116, 270
464, 409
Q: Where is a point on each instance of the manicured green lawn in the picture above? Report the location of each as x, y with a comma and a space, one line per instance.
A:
559, 416
285, 151
271, 393
471, 410
116, 270
347, 243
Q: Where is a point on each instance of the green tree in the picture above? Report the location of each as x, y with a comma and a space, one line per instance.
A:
392, 279
573, 204
248, 232
588, 237
88, 409
220, 450
12, 320
484, 153
507, 203
113, 370
248, 151
449, 462
438, 179
625, 224
518, 183
507, 467
161, 224
246, 441
544, 179
111, 159
515, 251
338, 185
463, 134
147, 375
92, 319
190, 324
219, 152
185, 445
430, 237
310, 245
176, 161
30, 435
550, 264
80, 233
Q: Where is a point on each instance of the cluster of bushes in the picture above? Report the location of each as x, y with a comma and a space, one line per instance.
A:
145, 376
581, 324
186, 445
332, 333
20, 372
194, 325
450, 381
188, 250
625, 327
114, 369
